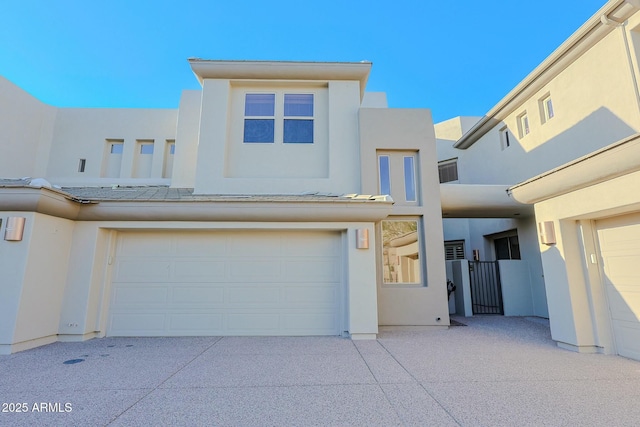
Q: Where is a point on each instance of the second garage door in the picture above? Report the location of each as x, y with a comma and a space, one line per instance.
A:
226, 283
619, 240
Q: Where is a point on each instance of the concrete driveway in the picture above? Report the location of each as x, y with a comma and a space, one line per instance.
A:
495, 371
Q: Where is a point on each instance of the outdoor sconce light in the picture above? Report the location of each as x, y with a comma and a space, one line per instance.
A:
476, 254
547, 233
362, 238
15, 228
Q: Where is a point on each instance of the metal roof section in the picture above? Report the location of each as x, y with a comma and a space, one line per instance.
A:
590, 33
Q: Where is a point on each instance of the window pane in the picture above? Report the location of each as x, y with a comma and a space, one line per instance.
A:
116, 148
383, 172
298, 131
549, 108
298, 105
258, 130
146, 149
259, 104
448, 172
400, 252
409, 180
172, 149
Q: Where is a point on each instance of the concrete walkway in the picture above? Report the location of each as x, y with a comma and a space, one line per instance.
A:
494, 372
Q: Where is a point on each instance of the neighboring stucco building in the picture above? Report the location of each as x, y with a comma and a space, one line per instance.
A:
249, 210
566, 140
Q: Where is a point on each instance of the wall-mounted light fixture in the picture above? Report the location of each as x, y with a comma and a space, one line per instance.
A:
362, 238
15, 228
547, 233
476, 254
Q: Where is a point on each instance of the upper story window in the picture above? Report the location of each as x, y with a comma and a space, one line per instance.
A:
397, 176
523, 124
448, 170
259, 113
453, 250
546, 109
298, 118
267, 115
505, 138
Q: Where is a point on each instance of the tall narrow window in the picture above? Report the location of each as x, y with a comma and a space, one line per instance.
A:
505, 138
523, 124
170, 151
81, 165
401, 252
546, 109
259, 111
384, 174
409, 179
298, 118
112, 161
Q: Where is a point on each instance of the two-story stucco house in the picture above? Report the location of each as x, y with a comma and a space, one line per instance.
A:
280, 199
565, 140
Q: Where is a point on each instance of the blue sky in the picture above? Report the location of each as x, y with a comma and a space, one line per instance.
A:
454, 57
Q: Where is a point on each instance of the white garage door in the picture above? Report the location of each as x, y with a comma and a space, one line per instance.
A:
226, 283
620, 249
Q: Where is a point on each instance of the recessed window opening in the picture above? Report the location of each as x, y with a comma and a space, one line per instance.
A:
116, 148
505, 138
523, 124
384, 174
401, 248
448, 171
81, 165
409, 179
546, 109
146, 148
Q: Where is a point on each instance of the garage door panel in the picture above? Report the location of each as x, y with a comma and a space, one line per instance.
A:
227, 283
619, 240
307, 323
301, 246
141, 270
197, 296
200, 245
195, 323
208, 270
251, 295
137, 324
264, 322
258, 270
628, 341
312, 270
149, 244
311, 294
131, 295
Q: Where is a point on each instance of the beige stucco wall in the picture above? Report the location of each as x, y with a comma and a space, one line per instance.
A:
226, 165
26, 126
35, 273
409, 131
595, 104
83, 133
577, 306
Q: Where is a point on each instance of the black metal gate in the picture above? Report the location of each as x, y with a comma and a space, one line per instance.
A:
486, 292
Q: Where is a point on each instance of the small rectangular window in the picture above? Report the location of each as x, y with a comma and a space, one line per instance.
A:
523, 124
505, 138
401, 247
384, 174
116, 148
298, 131
260, 104
81, 165
146, 148
172, 148
448, 171
298, 105
409, 179
453, 250
546, 109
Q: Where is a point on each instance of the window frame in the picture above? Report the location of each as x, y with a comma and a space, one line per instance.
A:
524, 126
546, 108
384, 187
505, 141
454, 245
418, 262
443, 165
281, 118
